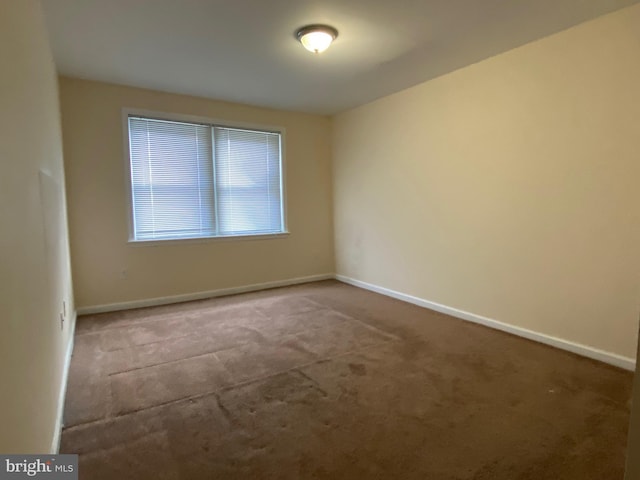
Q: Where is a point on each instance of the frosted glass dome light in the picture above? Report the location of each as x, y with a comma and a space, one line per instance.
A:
316, 38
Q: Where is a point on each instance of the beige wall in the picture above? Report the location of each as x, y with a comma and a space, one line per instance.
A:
508, 189
96, 172
35, 274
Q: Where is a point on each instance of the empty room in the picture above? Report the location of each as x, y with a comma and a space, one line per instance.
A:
320, 240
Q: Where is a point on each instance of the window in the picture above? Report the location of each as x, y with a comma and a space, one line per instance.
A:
193, 180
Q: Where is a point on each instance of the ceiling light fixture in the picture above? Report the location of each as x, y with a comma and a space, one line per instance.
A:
316, 38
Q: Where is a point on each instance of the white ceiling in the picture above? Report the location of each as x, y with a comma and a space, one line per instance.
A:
244, 50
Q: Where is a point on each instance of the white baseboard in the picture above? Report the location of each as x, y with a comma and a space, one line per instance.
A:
57, 432
626, 363
152, 302
584, 350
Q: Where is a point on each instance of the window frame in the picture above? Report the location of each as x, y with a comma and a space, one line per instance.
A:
212, 122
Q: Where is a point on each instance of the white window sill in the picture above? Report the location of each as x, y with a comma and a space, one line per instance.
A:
181, 241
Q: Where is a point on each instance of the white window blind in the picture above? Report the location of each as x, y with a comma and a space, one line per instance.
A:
192, 180
247, 181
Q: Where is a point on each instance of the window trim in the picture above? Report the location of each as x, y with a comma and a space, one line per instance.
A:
177, 117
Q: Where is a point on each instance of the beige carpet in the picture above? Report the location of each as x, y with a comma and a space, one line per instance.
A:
327, 381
